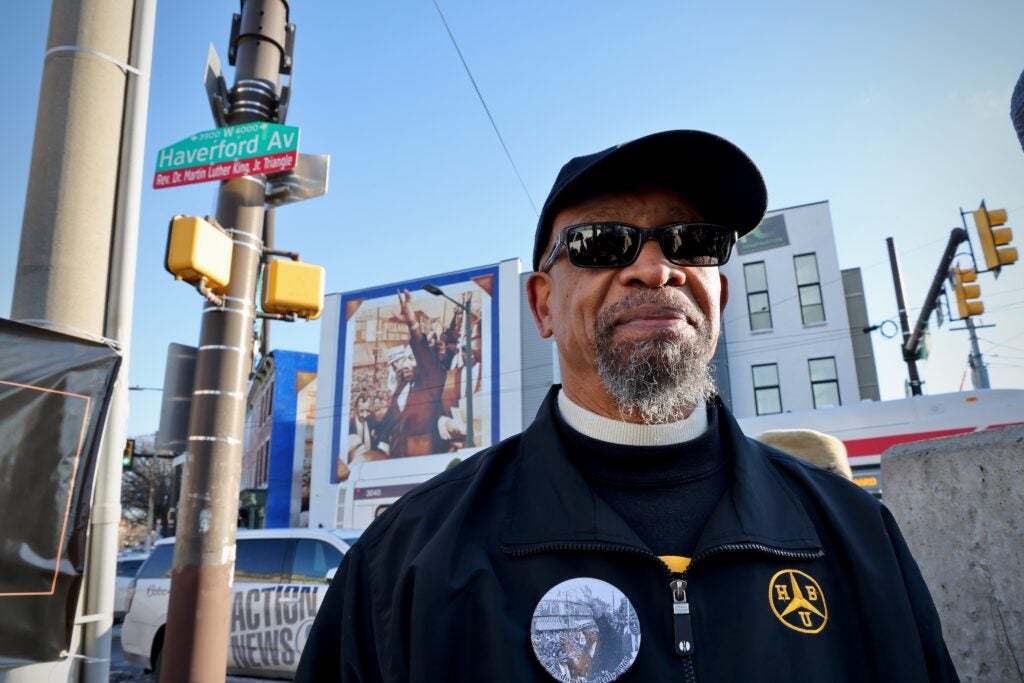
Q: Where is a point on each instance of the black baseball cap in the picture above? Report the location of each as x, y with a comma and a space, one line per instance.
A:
708, 170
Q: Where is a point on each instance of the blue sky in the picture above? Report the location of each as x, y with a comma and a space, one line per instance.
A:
897, 113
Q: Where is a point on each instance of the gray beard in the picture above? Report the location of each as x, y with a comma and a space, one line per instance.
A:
659, 379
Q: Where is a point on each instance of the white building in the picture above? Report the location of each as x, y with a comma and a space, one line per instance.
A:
793, 328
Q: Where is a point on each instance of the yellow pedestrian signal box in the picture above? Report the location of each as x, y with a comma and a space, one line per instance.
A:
994, 239
291, 287
198, 250
967, 294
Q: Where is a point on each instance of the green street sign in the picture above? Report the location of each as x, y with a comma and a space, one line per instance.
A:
770, 234
247, 149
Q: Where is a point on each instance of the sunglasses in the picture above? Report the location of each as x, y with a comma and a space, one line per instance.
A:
616, 245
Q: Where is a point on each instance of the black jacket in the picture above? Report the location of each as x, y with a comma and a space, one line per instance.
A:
443, 586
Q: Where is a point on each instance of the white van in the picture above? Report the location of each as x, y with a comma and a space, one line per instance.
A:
280, 579
128, 564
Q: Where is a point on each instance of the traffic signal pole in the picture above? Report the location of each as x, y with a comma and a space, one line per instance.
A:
897, 281
956, 237
911, 340
196, 639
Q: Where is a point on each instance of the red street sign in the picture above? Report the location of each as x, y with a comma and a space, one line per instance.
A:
271, 163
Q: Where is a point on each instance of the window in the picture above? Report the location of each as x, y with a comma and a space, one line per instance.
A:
824, 382
312, 561
158, 565
262, 465
767, 397
757, 296
808, 285
128, 568
260, 560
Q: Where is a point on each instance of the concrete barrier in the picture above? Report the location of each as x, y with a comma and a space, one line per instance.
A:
960, 504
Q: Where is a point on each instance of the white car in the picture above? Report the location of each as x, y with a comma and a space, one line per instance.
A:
128, 564
280, 578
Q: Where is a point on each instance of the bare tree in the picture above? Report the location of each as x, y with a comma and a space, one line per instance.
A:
148, 481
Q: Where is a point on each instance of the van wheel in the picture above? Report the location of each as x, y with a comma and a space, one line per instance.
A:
158, 654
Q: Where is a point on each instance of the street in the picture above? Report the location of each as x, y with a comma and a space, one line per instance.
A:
122, 671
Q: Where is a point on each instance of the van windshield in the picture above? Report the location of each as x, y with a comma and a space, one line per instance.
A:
349, 536
158, 565
128, 567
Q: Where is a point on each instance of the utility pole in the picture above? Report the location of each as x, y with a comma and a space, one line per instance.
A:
897, 280
979, 371
76, 261
198, 616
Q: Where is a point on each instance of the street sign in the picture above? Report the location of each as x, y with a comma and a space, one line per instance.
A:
253, 148
307, 180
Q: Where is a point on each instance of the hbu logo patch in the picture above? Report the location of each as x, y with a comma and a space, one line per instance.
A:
797, 601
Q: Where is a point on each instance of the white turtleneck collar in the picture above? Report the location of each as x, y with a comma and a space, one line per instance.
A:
628, 434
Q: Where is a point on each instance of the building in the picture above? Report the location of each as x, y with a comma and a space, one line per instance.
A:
280, 411
794, 328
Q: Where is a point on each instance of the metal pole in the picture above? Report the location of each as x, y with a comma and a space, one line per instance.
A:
897, 281
268, 243
198, 615
106, 515
979, 371
468, 355
149, 513
76, 258
956, 236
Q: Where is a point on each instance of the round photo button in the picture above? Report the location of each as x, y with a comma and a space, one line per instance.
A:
585, 630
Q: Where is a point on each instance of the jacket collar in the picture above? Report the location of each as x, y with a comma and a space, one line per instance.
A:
551, 504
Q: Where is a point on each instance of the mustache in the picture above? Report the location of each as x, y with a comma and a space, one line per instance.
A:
669, 299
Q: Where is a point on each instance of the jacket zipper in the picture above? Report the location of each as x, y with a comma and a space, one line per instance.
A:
681, 607
681, 615
683, 628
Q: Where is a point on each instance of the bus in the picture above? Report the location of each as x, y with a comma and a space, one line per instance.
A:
870, 427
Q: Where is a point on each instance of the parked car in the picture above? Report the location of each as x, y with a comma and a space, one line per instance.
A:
281, 576
128, 564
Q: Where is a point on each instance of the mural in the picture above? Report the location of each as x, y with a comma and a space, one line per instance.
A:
404, 390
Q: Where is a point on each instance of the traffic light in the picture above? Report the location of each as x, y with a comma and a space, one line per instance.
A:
966, 294
128, 454
994, 239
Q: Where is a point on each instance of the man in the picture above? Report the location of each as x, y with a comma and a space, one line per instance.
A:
635, 482
415, 407
362, 430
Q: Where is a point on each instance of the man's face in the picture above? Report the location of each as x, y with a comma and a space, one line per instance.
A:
364, 410
405, 367
652, 315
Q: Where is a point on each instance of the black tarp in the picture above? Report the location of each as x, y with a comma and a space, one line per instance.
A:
54, 393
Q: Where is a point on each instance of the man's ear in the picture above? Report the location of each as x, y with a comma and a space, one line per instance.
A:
724, 297
538, 293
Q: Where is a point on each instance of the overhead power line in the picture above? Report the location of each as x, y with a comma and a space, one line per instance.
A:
487, 109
